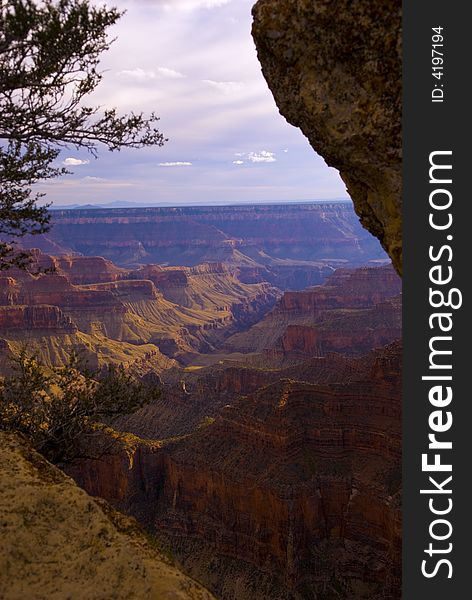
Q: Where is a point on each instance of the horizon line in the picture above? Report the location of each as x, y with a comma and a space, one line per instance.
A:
136, 205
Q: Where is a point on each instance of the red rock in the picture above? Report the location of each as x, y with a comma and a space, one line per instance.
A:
30, 318
346, 288
355, 311
290, 487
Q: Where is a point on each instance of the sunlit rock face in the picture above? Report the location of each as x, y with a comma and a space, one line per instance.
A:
141, 318
334, 68
57, 542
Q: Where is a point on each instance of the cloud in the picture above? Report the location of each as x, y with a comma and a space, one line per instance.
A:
261, 157
94, 179
74, 162
226, 87
211, 120
138, 74
191, 4
175, 164
170, 73
264, 156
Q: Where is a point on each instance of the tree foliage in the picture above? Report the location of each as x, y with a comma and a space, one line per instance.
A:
58, 410
49, 58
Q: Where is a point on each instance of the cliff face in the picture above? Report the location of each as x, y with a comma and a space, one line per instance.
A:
292, 492
346, 288
211, 287
192, 398
353, 312
79, 269
326, 235
334, 69
29, 318
118, 312
285, 480
57, 542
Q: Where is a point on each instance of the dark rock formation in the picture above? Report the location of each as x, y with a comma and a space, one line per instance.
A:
334, 68
30, 318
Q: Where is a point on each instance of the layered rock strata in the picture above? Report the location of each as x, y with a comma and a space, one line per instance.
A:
291, 493
272, 238
352, 313
119, 313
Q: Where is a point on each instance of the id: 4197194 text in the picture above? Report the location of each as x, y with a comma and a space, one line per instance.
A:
437, 64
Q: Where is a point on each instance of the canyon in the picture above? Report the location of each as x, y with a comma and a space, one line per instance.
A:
290, 246
269, 466
274, 453
143, 319
290, 489
271, 463
204, 275
353, 312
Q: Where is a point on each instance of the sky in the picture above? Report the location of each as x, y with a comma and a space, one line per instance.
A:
193, 62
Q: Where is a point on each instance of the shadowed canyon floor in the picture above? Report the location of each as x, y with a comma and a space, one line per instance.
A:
288, 491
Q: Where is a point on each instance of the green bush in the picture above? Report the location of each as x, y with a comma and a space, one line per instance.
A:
57, 410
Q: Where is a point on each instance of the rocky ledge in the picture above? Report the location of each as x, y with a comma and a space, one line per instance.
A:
57, 542
334, 68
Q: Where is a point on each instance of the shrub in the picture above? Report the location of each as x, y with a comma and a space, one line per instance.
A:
57, 410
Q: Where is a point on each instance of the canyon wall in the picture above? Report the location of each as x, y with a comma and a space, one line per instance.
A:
263, 240
334, 69
277, 474
152, 314
353, 312
290, 492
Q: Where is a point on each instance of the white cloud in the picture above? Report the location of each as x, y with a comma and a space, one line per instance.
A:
94, 179
74, 162
226, 87
170, 73
191, 4
175, 164
261, 157
286, 150
264, 156
138, 74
